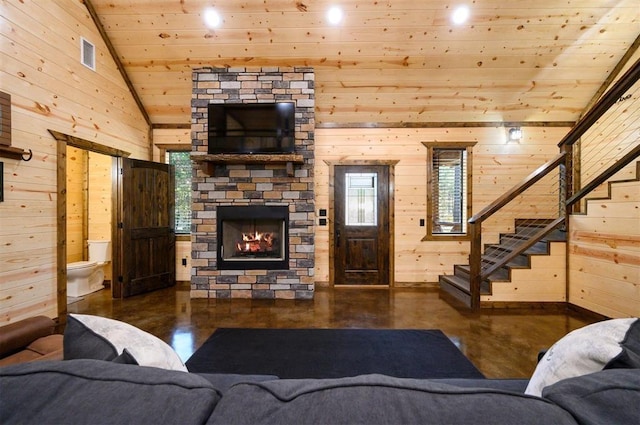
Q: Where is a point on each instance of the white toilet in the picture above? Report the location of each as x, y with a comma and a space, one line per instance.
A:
84, 277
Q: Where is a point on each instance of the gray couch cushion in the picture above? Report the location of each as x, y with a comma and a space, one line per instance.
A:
608, 397
223, 381
378, 399
513, 385
100, 392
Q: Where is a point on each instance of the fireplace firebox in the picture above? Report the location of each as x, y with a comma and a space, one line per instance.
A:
253, 237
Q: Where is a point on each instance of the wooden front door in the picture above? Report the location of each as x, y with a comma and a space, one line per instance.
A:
361, 235
145, 256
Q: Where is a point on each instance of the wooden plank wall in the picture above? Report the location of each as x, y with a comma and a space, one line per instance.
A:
76, 198
183, 251
604, 254
604, 244
497, 165
99, 206
51, 89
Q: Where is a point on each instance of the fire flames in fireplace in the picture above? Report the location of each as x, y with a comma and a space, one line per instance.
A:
255, 243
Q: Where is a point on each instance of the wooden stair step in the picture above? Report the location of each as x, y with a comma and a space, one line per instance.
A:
457, 287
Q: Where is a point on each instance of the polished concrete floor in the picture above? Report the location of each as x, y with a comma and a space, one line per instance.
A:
501, 343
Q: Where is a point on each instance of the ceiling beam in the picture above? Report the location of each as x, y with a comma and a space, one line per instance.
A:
445, 124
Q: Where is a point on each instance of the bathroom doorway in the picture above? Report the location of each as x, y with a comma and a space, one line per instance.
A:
89, 194
62, 142
118, 231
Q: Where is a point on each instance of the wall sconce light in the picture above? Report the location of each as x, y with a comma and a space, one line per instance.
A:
515, 134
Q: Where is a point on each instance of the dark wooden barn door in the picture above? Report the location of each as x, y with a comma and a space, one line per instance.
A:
361, 225
145, 255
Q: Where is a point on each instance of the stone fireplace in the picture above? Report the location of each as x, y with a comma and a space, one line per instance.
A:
253, 215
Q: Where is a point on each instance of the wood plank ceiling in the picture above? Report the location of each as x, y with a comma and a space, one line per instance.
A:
396, 61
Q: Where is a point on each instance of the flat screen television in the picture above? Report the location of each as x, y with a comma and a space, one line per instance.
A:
248, 128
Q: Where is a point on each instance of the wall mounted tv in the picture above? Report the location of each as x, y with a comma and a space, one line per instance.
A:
250, 128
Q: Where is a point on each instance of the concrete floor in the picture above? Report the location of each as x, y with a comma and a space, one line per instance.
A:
501, 343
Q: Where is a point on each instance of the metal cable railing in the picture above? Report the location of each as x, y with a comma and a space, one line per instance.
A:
511, 230
620, 127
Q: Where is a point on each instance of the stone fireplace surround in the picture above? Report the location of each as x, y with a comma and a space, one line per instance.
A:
236, 183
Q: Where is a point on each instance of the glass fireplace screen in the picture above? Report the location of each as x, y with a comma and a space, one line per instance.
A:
244, 240
253, 237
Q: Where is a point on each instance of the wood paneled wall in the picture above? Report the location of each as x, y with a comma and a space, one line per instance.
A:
604, 244
77, 183
99, 206
604, 254
165, 139
183, 252
497, 165
51, 89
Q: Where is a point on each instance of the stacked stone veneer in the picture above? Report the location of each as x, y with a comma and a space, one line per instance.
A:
253, 184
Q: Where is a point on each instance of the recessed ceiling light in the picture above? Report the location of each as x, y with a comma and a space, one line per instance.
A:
334, 15
212, 18
460, 15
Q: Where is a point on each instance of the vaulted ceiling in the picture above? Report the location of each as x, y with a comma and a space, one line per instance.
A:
396, 61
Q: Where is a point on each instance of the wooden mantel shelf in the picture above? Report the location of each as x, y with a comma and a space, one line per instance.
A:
211, 160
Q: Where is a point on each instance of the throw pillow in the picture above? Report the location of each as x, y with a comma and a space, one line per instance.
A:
585, 350
94, 337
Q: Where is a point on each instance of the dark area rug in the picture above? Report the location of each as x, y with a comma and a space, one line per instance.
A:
332, 353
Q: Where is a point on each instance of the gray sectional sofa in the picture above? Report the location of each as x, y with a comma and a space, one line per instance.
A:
114, 373
87, 391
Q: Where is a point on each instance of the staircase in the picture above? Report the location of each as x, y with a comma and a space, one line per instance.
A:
458, 284
607, 133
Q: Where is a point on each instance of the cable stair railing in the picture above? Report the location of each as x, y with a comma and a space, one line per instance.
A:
519, 224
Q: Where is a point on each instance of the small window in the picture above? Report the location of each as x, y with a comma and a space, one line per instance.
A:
448, 191
361, 203
182, 163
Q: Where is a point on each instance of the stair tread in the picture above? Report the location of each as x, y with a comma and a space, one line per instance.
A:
499, 275
492, 259
458, 282
463, 283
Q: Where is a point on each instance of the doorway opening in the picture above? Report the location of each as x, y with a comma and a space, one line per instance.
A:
89, 188
62, 142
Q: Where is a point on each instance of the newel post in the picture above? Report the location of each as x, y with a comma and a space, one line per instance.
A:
475, 262
566, 171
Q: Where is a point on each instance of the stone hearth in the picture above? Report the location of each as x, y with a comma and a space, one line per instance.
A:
253, 184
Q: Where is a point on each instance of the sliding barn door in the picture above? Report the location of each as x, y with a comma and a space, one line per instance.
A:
145, 237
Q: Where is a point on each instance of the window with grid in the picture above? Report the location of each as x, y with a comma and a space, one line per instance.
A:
449, 189
182, 164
